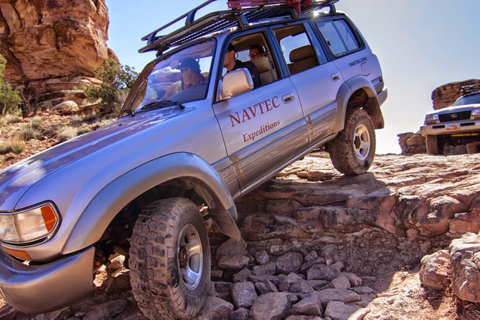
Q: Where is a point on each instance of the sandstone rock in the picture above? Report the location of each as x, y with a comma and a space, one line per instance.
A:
240, 314
322, 272
52, 47
341, 282
106, 310
345, 296
242, 275
233, 262
266, 269
215, 309
337, 310
308, 306
265, 287
244, 294
271, 306
223, 289
262, 257
465, 267
231, 247
435, 271
289, 262
445, 95
354, 280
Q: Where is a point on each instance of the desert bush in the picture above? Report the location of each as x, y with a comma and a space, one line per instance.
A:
17, 145
115, 81
12, 118
9, 98
4, 147
36, 123
66, 133
27, 132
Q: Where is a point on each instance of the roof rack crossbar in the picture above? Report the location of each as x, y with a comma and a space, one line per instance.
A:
248, 12
190, 17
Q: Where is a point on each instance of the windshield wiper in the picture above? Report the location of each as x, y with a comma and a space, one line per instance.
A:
162, 104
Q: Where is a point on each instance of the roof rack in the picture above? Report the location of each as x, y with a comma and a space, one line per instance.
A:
240, 15
469, 89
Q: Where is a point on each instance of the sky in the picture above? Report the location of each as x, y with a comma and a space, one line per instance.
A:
421, 45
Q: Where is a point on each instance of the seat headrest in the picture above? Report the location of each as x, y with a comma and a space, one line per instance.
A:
301, 53
262, 64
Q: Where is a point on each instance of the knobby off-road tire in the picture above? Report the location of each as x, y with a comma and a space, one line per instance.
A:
170, 260
353, 149
433, 145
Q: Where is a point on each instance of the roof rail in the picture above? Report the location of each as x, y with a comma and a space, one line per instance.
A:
471, 88
297, 4
240, 15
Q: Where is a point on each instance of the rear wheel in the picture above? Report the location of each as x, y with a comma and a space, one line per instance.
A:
433, 145
353, 150
170, 260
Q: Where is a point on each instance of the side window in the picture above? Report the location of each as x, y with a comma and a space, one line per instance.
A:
339, 36
297, 48
252, 52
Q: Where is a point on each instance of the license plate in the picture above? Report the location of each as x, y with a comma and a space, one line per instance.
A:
451, 127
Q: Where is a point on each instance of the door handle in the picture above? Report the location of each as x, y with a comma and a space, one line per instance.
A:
289, 97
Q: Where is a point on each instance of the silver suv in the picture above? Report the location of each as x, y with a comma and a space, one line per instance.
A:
455, 125
195, 135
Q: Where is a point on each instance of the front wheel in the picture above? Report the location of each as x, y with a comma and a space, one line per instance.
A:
353, 149
433, 145
170, 260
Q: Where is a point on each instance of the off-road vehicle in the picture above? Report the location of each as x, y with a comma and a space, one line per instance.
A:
183, 150
455, 125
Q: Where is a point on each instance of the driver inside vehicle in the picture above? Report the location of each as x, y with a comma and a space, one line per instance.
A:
191, 77
191, 74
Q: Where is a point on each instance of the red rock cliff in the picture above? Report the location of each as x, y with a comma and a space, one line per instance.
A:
52, 45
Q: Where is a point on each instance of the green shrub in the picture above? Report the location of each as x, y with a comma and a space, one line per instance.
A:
115, 81
9, 98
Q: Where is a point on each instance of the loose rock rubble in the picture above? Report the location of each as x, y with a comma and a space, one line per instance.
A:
399, 242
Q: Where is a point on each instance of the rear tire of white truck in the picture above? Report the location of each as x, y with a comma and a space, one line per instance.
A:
433, 145
353, 149
170, 260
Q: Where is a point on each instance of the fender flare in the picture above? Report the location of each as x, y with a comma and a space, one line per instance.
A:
103, 208
344, 94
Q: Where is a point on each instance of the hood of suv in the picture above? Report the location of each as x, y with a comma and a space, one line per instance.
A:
18, 178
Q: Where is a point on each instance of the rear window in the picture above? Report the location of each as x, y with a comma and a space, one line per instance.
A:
339, 37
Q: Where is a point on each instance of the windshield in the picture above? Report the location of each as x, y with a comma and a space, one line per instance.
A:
471, 99
174, 79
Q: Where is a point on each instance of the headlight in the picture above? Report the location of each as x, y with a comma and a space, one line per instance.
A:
431, 119
475, 115
28, 225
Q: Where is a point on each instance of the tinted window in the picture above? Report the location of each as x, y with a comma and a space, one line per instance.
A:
297, 49
339, 37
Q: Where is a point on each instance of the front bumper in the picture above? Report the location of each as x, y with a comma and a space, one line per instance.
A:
451, 128
47, 287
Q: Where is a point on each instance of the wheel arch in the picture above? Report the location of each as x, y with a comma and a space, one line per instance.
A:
183, 169
358, 92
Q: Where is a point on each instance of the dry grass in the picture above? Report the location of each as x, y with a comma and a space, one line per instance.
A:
24, 137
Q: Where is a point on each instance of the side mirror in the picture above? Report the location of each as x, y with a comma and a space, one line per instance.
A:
235, 82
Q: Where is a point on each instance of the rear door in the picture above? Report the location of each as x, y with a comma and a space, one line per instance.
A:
263, 128
316, 80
